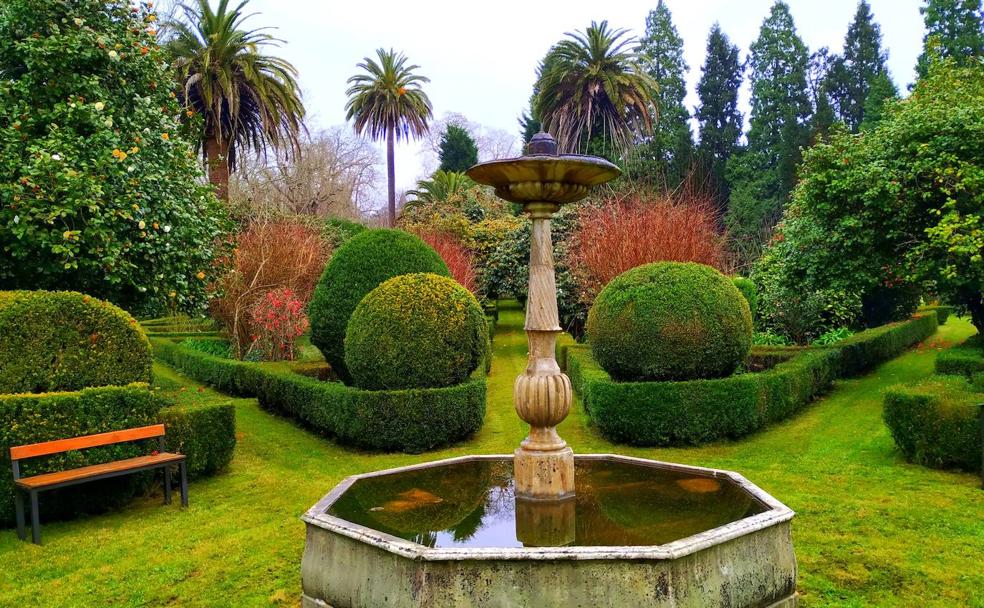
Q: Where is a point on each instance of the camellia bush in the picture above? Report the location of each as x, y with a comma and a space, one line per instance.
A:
882, 215
99, 191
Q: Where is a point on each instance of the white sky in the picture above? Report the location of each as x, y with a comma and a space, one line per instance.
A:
481, 56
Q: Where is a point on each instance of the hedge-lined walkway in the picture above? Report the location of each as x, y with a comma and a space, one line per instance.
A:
870, 531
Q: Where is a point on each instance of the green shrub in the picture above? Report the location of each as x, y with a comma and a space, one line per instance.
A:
697, 411
872, 347
749, 290
338, 231
670, 321
415, 331
367, 260
26, 419
411, 420
935, 422
218, 347
942, 311
965, 359
64, 341
205, 434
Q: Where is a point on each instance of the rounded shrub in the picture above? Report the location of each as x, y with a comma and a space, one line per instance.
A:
670, 321
65, 341
357, 268
415, 331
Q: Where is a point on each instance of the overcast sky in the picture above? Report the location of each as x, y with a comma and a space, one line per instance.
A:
481, 56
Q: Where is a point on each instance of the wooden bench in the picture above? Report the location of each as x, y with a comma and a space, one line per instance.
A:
32, 486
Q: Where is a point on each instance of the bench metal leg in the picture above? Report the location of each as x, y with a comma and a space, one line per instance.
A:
19, 512
167, 485
35, 519
184, 484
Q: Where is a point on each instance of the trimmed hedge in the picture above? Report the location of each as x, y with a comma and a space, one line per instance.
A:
411, 420
942, 311
965, 359
936, 423
358, 267
205, 434
33, 418
65, 341
670, 321
698, 411
415, 331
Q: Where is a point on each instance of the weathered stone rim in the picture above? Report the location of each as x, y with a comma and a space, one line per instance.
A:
776, 513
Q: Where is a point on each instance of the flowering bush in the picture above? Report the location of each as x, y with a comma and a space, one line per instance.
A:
279, 320
269, 256
459, 260
99, 190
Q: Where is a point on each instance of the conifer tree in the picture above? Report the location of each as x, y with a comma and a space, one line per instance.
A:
954, 28
763, 175
863, 61
665, 156
458, 150
720, 122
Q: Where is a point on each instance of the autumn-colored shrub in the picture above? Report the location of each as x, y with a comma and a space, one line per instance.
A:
279, 320
459, 259
269, 255
630, 230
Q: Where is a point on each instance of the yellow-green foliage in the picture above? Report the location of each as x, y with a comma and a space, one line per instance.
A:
415, 331
670, 321
64, 341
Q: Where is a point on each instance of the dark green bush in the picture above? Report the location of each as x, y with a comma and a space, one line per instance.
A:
218, 347
697, 411
338, 231
935, 422
411, 420
357, 268
942, 311
65, 341
965, 359
670, 321
872, 347
749, 290
415, 331
205, 434
26, 419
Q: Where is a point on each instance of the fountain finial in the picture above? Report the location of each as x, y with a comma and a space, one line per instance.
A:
542, 144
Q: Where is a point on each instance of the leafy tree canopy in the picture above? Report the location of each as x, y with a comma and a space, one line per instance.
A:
458, 150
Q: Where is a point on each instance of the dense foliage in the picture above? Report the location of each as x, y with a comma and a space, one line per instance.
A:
878, 214
205, 434
366, 261
458, 151
670, 321
99, 192
953, 29
415, 331
65, 341
337, 231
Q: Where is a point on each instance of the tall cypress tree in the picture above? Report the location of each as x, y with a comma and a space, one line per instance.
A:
763, 175
718, 116
665, 156
863, 61
954, 28
458, 150
824, 86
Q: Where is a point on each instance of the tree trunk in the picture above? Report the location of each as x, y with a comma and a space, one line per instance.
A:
975, 303
391, 176
217, 161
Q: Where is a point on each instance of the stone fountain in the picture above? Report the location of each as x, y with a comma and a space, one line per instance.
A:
543, 527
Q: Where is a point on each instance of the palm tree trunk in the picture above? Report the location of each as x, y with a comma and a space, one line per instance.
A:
391, 176
217, 161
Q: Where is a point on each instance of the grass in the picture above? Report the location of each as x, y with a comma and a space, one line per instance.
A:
870, 530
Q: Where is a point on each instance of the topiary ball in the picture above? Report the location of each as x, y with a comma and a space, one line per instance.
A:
357, 268
670, 321
415, 331
66, 341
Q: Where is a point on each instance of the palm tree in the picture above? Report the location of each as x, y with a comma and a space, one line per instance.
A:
594, 84
247, 99
439, 187
387, 101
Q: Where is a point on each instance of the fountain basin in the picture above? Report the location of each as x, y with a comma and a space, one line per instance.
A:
638, 533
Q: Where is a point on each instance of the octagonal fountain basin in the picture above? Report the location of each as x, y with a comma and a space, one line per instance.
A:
638, 532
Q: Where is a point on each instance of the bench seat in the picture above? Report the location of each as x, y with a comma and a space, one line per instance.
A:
71, 476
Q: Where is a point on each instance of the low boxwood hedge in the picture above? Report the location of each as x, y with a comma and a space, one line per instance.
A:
965, 359
698, 411
205, 434
409, 420
942, 311
936, 422
32, 418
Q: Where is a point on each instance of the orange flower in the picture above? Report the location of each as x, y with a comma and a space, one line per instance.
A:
401, 91
200, 275
165, 136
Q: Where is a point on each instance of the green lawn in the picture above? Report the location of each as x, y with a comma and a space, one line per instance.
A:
870, 529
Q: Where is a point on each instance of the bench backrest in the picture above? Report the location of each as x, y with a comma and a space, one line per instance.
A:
89, 441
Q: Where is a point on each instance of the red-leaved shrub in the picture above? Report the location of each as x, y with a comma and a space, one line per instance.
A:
458, 258
630, 230
279, 320
269, 255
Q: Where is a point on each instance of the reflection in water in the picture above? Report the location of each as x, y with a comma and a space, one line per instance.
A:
471, 504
